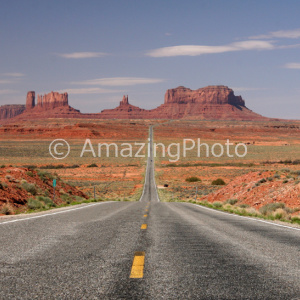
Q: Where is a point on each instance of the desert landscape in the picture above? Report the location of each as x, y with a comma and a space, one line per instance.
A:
266, 176
149, 150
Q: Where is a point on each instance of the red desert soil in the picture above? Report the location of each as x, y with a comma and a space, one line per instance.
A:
259, 188
283, 135
14, 183
111, 181
59, 128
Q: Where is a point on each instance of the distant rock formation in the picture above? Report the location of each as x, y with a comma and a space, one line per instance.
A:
52, 105
30, 100
124, 111
208, 103
10, 111
52, 100
216, 94
124, 101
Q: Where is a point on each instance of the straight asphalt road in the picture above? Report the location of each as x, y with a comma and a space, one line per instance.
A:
147, 250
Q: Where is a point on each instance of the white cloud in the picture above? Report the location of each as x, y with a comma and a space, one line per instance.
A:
287, 34
88, 91
194, 50
292, 66
5, 92
120, 81
78, 55
14, 74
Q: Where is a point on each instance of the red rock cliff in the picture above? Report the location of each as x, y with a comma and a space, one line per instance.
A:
208, 103
30, 100
216, 94
10, 111
124, 101
52, 105
52, 100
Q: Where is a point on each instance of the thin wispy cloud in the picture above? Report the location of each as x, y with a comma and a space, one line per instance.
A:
81, 91
80, 55
195, 50
292, 66
4, 81
246, 89
120, 81
7, 91
14, 74
283, 34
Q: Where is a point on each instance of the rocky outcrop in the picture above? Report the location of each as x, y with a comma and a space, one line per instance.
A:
211, 103
124, 101
52, 105
30, 100
10, 111
208, 103
124, 111
213, 95
52, 100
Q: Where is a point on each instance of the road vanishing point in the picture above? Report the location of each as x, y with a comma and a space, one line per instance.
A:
147, 250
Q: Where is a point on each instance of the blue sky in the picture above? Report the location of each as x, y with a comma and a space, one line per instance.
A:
99, 50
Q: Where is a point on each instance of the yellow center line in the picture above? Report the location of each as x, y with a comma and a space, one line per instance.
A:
137, 269
144, 226
146, 209
145, 216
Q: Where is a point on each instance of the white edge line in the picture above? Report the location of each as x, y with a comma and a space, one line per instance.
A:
148, 160
244, 217
145, 175
145, 181
155, 185
153, 169
54, 213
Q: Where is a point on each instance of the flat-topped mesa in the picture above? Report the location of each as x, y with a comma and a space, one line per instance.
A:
10, 111
124, 101
30, 100
52, 100
215, 94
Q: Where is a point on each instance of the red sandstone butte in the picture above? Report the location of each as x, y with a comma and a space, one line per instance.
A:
124, 111
52, 105
52, 100
208, 103
216, 94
